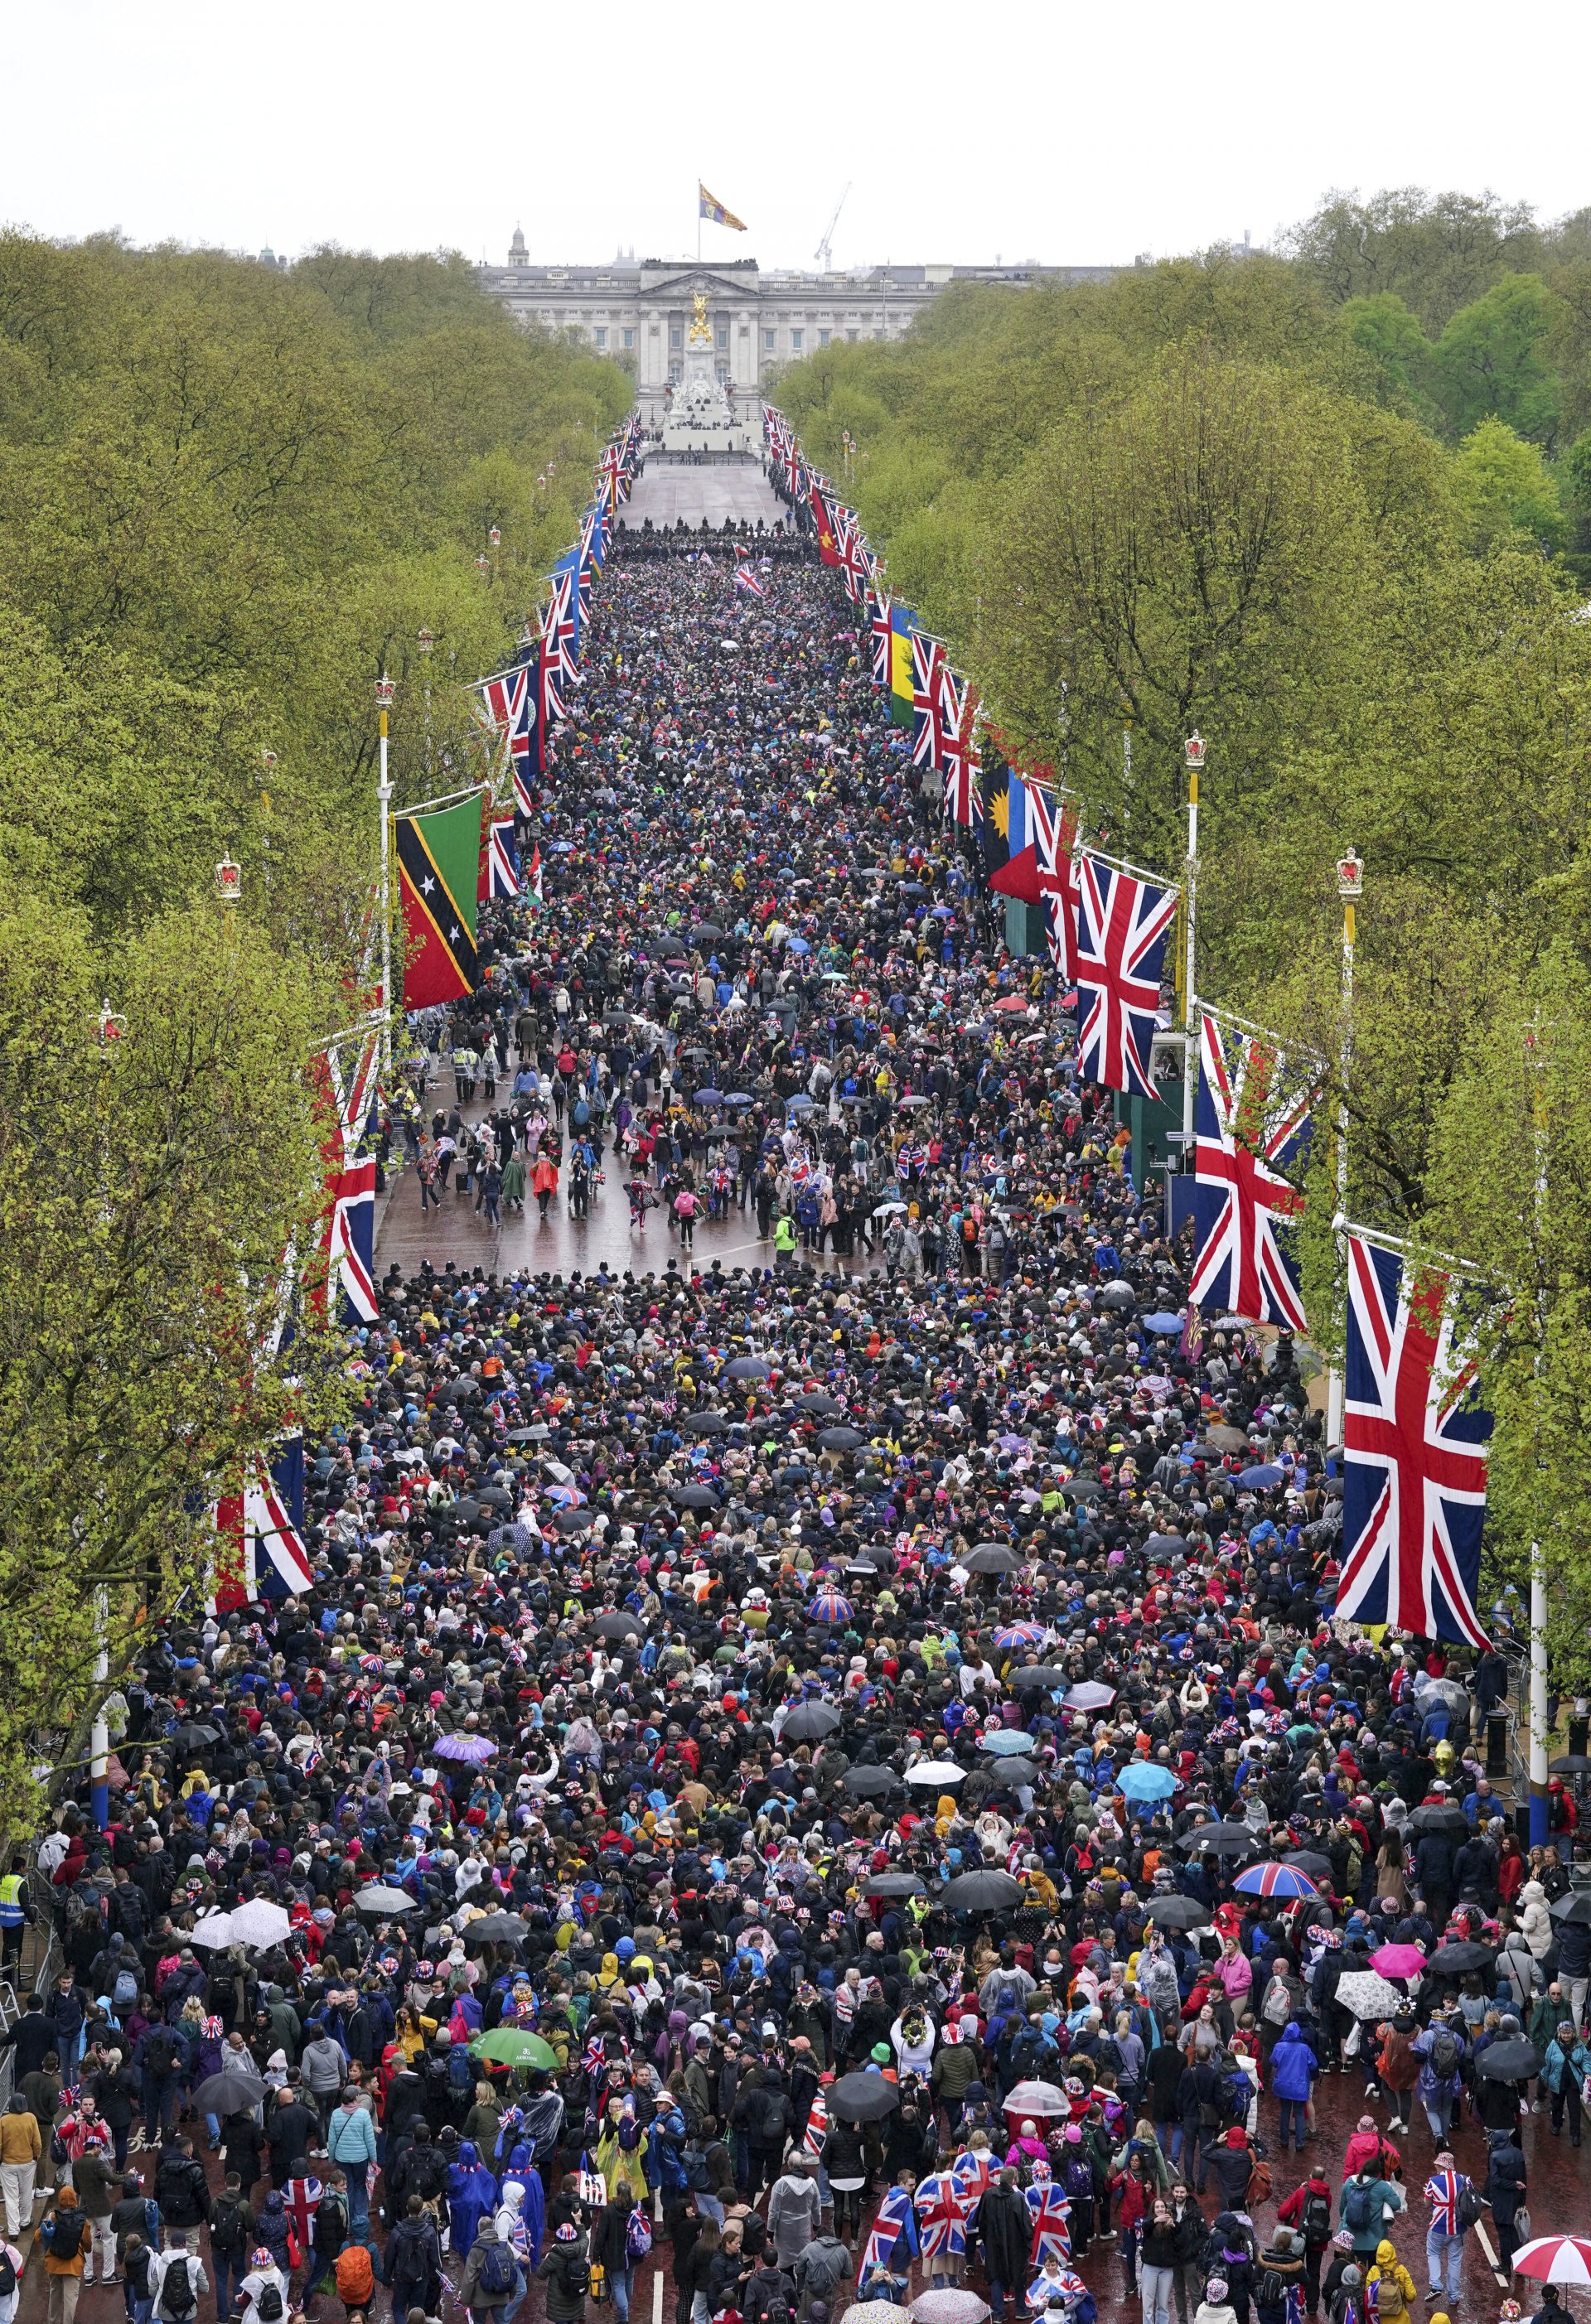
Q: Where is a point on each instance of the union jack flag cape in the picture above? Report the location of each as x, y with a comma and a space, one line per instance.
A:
1251, 1119
1121, 924
816, 2130
1414, 1491
1068, 2286
973, 2172
896, 2223
943, 2210
927, 662
1050, 2213
303, 2197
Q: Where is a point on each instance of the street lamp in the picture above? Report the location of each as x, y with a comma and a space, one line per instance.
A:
494, 538
228, 882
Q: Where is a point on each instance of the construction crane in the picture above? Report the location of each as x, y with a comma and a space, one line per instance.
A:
825, 249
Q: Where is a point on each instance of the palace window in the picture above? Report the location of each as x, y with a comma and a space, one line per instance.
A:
676, 335
795, 342
824, 338
723, 337
768, 341
600, 335
629, 336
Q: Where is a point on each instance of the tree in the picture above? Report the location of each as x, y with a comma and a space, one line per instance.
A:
1506, 488
1493, 361
1435, 252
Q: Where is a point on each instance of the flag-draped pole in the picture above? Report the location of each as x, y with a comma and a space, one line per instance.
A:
1350, 887
384, 792
1540, 1831
1193, 758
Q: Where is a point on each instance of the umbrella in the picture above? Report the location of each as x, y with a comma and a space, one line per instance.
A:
992, 1557
1551, 2259
694, 1497
1018, 1634
194, 1736
1227, 1440
823, 1407
494, 1497
1308, 1860
1118, 1293
980, 1892
1002, 1740
808, 1722
1459, 1960
863, 2098
1013, 1770
935, 1771
573, 1520
1364, 1993
536, 1435
746, 1367
472, 1749
704, 1423
869, 1783
257, 1922
1448, 1818
1089, 1694
952, 2305
1083, 1488
799, 1103
514, 2045
1178, 1912
1037, 1674
1572, 1762
1508, 2061
1275, 1880
1164, 1324
1222, 1838
1037, 2098
893, 1884
213, 1929
739, 1097
614, 1624
234, 2091
887, 1210
1145, 1779
828, 1606
1263, 1474
385, 1901
870, 2311
1399, 1961
709, 1097
839, 1440
497, 1927
1574, 1908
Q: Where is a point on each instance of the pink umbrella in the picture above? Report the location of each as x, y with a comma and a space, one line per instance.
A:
1556, 2259
1399, 1961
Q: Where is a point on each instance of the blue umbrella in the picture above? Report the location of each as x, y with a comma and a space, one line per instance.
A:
709, 1097
1004, 1741
799, 944
1146, 1779
1264, 1472
738, 1097
1165, 1324
799, 1103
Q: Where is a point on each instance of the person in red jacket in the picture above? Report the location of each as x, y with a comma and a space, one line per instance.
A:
1310, 2208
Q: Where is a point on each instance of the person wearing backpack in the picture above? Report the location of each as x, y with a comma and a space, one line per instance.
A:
821, 2267
136, 2261
565, 2270
329, 2231
1309, 2209
355, 2276
616, 2248
65, 2238
412, 2266
492, 2274
231, 2221
1363, 2207
263, 2292
1293, 2069
1455, 2207
1440, 2050
177, 2280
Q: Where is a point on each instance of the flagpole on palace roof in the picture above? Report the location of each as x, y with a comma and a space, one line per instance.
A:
1350, 887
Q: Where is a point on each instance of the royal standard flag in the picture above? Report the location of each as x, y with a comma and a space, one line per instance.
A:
438, 857
903, 629
709, 206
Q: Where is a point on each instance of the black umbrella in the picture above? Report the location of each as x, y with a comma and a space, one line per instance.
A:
980, 1892
1309, 1860
870, 1782
575, 1520
746, 1367
694, 1497
1083, 1488
234, 2091
1443, 1818
1222, 1838
839, 1440
1035, 1675
1508, 2061
1176, 1912
498, 1928
1574, 1908
863, 2098
1016, 1767
808, 1722
1459, 1960
893, 1884
704, 1423
1573, 1763
193, 1738
992, 1557
616, 1626
823, 1407
467, 1512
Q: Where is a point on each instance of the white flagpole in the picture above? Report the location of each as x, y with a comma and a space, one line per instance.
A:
1350, 887
1193, 758
1540, 1831
384, 792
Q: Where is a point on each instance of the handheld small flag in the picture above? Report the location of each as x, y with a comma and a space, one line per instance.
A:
745, 578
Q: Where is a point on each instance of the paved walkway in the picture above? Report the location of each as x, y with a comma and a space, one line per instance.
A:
671, 489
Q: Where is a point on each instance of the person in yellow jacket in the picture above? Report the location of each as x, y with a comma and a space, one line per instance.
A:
1395, 2286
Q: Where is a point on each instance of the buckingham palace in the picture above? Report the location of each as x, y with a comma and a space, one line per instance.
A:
639, 311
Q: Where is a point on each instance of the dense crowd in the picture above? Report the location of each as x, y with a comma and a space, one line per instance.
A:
843, 1764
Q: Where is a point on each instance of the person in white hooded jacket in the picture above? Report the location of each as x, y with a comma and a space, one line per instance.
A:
1534, 1920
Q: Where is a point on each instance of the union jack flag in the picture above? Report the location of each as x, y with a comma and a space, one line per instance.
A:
745, 578
964, 796
1251, 1119
973, 2170
302, 2198
928, 659
816, 2130
261, 1552
1294, 2304
560, 625
1122, 924
896, 2222
854, 556
346, 1074
942, 2213
1055, 834
1050, 2213
550, 675
503, 858
880, 637
1414, 1491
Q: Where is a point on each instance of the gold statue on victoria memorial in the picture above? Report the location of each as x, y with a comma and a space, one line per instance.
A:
701, 330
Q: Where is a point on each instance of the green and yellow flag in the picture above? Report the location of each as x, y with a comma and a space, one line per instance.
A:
903, 627
439, 861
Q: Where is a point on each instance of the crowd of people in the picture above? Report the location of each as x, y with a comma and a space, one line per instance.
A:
835, 1776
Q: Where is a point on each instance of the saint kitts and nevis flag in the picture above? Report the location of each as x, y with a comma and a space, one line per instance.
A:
439, 862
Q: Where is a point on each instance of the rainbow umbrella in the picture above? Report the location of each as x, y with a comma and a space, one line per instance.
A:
1275, 1880
828, 1606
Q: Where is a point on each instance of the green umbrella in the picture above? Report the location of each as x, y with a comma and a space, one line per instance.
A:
514, 2045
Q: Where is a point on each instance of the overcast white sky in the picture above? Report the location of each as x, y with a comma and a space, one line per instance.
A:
1066, 134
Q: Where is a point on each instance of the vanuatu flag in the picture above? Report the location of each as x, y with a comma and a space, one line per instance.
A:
439, 860
903, 627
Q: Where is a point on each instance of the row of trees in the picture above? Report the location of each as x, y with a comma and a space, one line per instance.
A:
1200, 496
230, 497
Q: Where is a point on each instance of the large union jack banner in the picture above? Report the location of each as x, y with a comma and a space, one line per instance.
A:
1414, 1493
1122, 924
347, 1076
928, 661
880, 637
1055, 834
1252, 1119
959, 757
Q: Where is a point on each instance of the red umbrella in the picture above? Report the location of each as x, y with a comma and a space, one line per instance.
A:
1556, 2259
